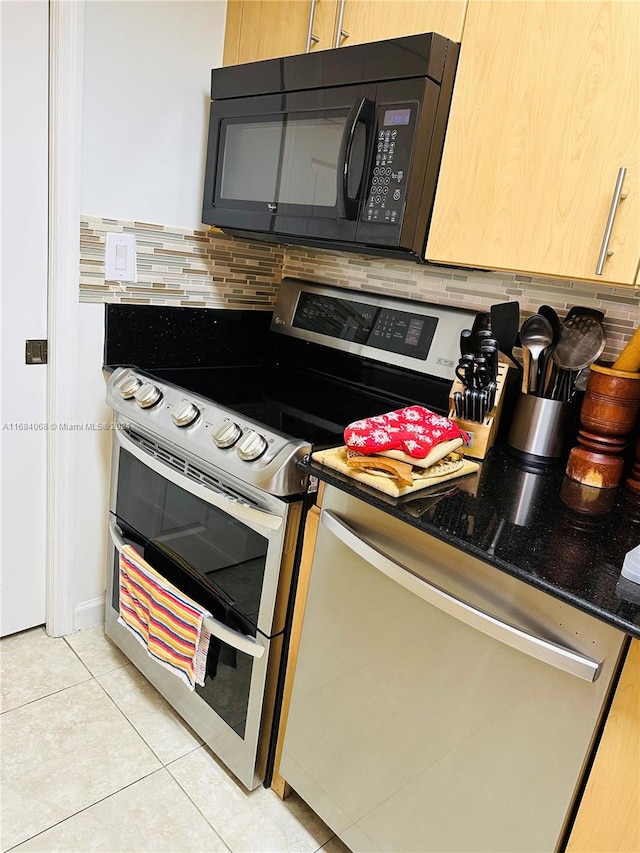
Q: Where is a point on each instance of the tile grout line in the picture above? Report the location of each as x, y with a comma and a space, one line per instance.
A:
124, 716
186, 793
164, 765
80, 811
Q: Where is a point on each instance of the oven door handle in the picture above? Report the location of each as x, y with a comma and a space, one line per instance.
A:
549, 652
227, 503
116, 535
241, 642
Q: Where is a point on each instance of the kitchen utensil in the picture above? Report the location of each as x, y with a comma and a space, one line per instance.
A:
505, 320
489, 349
582, 341
536, 335
481, 326
482, 375
629, 358
465, 370
545, 363
491, 391
482, 321
466, 342
582, 311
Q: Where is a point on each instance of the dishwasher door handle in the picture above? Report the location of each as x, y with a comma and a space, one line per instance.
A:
536, 647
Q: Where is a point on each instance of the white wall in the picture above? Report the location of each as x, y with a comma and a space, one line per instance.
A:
147, 79
147, 68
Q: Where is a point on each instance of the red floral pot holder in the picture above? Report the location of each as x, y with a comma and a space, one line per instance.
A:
414, 430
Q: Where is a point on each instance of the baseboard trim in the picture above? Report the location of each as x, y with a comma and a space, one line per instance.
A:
89, 613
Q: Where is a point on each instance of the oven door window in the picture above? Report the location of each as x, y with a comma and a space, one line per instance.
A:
211, 557
228, 676
215, 550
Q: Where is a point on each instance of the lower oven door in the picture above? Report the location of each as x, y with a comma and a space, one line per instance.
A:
231, 553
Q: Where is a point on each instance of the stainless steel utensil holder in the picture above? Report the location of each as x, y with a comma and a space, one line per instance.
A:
541, 427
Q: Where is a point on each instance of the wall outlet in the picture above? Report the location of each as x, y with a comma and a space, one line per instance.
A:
120, 257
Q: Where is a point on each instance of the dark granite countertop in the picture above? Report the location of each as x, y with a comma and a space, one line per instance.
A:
566, 539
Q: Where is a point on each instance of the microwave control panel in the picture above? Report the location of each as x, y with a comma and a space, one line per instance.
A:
393, 142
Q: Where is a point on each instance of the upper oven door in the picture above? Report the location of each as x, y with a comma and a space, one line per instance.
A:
292, 163
210, 539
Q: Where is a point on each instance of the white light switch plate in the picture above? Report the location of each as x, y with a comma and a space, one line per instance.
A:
120, 257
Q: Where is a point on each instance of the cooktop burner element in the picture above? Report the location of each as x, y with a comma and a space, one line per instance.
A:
333, 356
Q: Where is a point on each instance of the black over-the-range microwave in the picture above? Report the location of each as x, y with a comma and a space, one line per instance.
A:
339, 148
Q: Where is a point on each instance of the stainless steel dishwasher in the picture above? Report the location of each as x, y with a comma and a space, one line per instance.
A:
438, 704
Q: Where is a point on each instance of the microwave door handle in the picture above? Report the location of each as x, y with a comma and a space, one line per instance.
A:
361, 113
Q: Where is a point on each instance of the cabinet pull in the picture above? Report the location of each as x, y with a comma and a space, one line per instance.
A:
340, 33
310, 36
615, 201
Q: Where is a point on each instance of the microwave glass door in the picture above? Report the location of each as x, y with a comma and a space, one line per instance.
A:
292, 159
282, 162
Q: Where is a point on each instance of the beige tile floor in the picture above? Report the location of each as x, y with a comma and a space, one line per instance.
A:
93, 758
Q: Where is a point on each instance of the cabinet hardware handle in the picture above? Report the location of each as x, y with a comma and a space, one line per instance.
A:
559, 656
340, 33
618, 196
310, 36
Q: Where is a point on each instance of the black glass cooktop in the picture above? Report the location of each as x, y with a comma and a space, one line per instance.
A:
298, 401
302, 389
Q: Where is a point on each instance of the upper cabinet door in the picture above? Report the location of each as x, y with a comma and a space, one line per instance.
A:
264, 29
545, 113
362, 21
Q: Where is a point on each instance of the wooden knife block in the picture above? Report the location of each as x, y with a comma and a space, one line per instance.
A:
482, 435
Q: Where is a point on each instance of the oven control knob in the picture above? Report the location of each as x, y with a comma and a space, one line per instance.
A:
148, 395
226, 433
129, 385
184, 414
251, 446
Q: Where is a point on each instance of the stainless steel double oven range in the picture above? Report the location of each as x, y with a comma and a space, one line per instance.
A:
206, 484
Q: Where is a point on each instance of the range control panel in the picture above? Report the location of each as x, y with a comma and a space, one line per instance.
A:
394, 140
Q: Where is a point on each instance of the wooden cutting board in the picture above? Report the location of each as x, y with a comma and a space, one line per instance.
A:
336, 458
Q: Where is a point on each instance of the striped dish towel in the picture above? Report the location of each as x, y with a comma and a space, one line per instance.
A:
169, 624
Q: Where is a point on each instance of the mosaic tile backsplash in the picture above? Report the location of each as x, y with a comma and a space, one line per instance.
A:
201, 269
209, 269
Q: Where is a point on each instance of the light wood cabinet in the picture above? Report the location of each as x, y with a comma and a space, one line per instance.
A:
608, 819
264, 29
546, 109
364, 21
